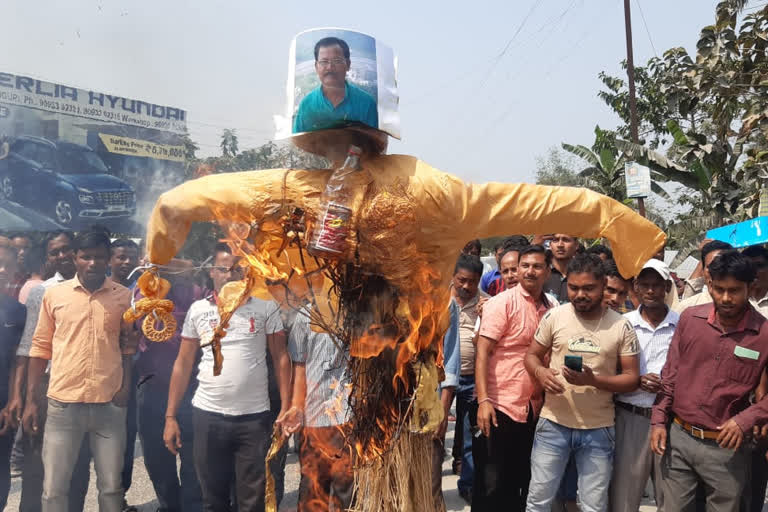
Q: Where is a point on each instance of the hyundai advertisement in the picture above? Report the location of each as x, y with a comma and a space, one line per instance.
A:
74, 158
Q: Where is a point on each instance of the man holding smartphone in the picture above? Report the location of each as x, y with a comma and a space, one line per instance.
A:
654, 324
578, 414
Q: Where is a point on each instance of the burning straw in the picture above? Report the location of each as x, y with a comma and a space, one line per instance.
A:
392, 335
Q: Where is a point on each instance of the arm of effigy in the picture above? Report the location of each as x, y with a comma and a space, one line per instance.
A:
468, 211
246, 197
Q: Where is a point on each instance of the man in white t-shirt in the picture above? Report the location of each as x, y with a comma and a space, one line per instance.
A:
231, 417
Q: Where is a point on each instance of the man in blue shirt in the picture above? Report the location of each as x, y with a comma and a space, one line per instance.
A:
12, 318
336, 102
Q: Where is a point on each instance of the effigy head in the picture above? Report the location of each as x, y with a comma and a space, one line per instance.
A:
341, 91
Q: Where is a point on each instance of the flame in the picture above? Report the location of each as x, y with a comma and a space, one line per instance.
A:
403, 335
371, 344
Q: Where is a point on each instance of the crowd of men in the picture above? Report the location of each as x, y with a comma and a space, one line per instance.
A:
574, 386
577, 385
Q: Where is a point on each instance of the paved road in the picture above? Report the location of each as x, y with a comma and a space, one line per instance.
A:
142, 495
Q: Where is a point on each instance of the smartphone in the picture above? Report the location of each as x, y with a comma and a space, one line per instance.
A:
573, 362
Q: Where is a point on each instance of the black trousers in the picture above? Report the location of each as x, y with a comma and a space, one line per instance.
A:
231, 449
502, 464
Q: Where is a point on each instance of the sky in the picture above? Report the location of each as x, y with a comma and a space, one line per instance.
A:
485, 88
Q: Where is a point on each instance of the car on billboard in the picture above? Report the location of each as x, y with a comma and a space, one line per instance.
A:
67, 182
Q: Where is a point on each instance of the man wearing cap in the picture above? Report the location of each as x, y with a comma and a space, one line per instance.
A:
703, 413
654, 324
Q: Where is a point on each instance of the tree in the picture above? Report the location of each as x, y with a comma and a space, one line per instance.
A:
229, 143
557, 169
713, 109
606, 163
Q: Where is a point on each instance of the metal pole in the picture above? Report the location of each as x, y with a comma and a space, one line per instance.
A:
632, 101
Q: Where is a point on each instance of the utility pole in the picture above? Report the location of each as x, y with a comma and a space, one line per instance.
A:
632, 100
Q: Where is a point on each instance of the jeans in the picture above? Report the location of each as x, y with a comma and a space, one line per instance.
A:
176, 490
33, 472
65, 428
231, 449
465, 402
593, 451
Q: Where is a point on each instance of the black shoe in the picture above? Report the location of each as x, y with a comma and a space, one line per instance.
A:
466, 496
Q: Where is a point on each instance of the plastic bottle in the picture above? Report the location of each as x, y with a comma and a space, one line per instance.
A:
329, 238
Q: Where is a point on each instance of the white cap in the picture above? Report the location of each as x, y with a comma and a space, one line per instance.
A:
660, 267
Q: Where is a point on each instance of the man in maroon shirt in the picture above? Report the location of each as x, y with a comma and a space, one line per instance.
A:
716, 358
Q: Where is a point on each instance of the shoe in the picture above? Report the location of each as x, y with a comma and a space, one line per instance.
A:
15, 472
466, 495
451, 417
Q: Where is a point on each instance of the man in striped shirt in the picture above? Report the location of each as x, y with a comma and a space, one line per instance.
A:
320, 405
654, 325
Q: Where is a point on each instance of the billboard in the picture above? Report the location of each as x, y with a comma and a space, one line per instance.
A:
339, 78
74, 158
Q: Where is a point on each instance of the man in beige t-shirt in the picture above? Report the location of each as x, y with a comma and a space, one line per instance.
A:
593, 354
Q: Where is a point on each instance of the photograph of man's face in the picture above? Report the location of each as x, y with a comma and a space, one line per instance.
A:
335, 80
332, 64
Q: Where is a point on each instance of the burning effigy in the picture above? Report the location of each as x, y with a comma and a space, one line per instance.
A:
367, 248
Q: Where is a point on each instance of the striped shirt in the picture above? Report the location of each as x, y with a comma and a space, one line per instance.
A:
654, 344
326, 403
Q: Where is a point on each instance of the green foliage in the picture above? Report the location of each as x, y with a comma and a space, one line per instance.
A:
606, 162
557, 169
710, 114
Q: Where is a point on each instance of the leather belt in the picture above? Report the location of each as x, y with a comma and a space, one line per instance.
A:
697, 432
641, 411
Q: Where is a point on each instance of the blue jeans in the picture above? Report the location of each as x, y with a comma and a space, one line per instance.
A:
175, 490
464, 402
553, 446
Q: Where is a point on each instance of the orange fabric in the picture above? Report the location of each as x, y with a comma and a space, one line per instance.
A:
511, 319
412, 214
79, 332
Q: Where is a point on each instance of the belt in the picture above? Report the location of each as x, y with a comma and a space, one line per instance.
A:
697, 432
641, 411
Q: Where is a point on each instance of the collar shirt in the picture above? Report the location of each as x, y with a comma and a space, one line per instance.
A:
79, 332
710, 374
510, 319
654, 345
325, 363
316, 112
